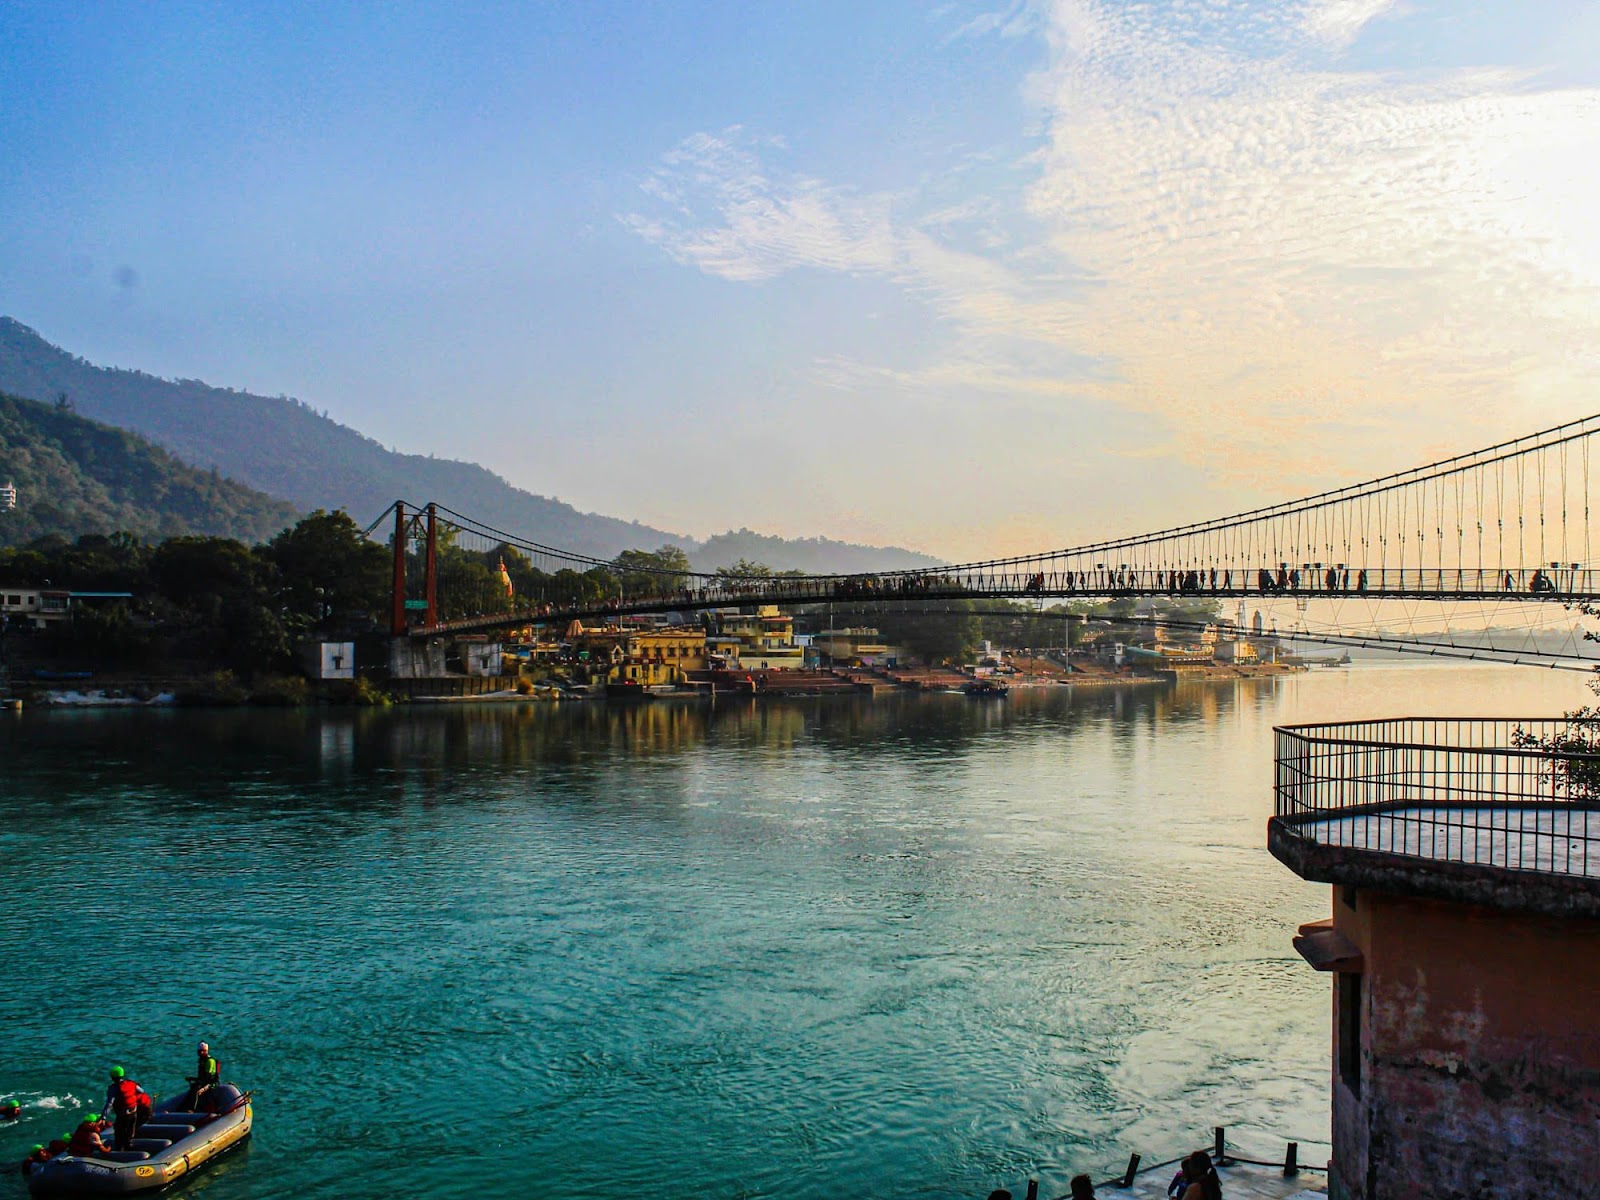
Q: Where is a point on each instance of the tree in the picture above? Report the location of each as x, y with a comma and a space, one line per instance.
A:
944, 637
745, 569
223, 593
645, 572
330, 572
1576, 749
200, 572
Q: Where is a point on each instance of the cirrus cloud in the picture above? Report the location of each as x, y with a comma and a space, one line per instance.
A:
1224, 228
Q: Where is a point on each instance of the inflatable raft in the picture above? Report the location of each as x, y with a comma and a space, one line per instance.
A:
170, 1145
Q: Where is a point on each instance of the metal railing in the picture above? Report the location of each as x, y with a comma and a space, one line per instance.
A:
1518, 794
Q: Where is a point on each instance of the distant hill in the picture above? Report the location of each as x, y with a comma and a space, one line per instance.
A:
813, 555
77, 476
285, 448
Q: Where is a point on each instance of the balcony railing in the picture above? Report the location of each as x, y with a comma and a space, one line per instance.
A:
1523, 795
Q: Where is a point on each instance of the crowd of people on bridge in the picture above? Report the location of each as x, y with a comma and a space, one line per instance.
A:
1099, 581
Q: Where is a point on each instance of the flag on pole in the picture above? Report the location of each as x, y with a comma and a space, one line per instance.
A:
505, 578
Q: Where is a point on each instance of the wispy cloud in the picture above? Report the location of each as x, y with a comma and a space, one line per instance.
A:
1337, 23
1277, 237
724, 213
1224, 227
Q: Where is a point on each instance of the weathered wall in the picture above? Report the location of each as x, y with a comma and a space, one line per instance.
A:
1481, 1071
416, 658
1349, 1113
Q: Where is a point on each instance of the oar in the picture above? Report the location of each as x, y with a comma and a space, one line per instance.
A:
238, 1104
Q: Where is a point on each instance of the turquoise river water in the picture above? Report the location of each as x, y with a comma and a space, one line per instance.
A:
908, 947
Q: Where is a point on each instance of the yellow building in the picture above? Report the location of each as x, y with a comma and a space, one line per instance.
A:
642, 655
645, 672
765, 639
682, 646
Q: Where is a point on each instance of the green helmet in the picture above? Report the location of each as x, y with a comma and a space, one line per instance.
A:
93, 1118
117, 1072
37, 1146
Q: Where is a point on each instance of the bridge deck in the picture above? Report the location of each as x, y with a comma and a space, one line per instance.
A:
698, 599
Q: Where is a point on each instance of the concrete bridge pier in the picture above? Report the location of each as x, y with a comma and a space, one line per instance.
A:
416, 658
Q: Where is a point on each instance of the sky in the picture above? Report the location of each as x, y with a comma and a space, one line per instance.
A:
970, 278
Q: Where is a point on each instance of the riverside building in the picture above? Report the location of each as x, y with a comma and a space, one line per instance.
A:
1463, 947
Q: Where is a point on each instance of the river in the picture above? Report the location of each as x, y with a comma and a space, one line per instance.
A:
905, 946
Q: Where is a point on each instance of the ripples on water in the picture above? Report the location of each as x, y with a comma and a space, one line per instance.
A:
902, 947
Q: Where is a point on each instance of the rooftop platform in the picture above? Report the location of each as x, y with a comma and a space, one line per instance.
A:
1504, 813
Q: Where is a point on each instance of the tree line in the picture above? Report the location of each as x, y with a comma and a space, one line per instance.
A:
217, 601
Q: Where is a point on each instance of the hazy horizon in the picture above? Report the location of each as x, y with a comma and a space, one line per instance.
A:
970, 280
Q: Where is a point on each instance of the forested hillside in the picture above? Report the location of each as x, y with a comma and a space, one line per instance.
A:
285, 448
76, 476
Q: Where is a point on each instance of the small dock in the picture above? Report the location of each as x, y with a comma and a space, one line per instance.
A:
1241, 1178
1240, 1181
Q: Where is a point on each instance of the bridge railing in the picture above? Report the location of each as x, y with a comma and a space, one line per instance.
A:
1564, 585
1518, 794
1550, 582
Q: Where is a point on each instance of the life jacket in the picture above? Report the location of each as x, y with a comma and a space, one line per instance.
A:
86, 1141
126, 1096
207, 1070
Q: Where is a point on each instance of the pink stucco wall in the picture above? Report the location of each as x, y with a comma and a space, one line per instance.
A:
1480, 1072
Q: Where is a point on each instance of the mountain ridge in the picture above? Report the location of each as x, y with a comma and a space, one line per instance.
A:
284, 448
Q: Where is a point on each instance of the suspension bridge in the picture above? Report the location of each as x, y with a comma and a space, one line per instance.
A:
1507, 523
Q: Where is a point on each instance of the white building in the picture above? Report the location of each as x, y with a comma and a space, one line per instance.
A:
37, 606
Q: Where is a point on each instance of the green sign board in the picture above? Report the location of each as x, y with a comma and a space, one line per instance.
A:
416, 606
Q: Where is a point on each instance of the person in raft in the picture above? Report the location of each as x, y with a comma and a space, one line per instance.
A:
207, 1074
85, 1141
129, 1104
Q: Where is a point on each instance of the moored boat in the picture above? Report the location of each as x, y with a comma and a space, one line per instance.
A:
169, 1146
632, 689
988, 689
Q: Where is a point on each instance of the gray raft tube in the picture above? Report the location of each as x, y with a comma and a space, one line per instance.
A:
169, 1145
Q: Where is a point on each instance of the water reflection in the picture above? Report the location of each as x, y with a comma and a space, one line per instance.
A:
424, 751
796, 946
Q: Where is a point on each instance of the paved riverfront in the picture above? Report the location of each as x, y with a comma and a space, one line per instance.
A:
905, 946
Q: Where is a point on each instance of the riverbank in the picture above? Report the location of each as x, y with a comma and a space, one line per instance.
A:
223, 689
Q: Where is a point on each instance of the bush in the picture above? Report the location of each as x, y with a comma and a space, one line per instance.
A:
360, 692
281, 691
218, 690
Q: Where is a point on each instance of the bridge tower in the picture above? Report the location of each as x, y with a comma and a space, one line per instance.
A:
430, 568
397, 608
424, 525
